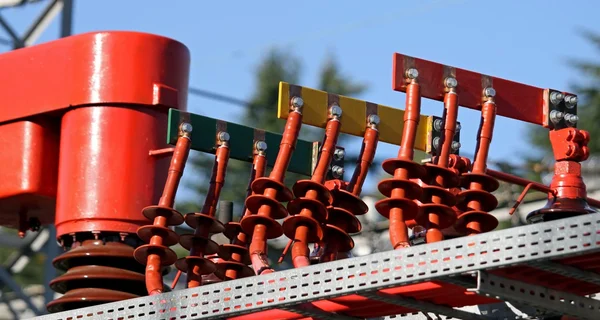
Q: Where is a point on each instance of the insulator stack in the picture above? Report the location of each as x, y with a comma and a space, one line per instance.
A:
204, 223
235, 255
100, 268
478, 200
341, 219
400, 190
309, 209
265, 204
437, 199
157, 254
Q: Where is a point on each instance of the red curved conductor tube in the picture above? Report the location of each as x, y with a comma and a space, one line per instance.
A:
477, 201
400, 190
309, 208
346, 204
437, 200
235, 255
265, 204
199, 243
157, 254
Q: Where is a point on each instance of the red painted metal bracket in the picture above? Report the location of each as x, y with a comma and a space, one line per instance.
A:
514, 100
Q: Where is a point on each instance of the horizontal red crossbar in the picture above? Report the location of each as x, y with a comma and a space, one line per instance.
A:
513, 100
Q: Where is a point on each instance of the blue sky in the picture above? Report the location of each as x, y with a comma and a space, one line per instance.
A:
525, 41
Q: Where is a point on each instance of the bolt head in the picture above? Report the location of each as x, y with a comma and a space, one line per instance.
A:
437, 124
335, 110
374, 120
186, 127
455, 145
489, 92
436, 142
339, 154
571, 101
571, 118
451, 82
261, 146
458, 126
223, 136
337, 171
556, 97
297, 102
412, 73
556, 116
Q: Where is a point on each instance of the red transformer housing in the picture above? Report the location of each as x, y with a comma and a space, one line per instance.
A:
78, 120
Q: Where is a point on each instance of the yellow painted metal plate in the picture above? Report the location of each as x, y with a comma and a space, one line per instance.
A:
354, 117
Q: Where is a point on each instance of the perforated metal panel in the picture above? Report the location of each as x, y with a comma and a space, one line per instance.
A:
573, 236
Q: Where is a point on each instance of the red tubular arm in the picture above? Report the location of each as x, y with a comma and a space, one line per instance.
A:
367, 154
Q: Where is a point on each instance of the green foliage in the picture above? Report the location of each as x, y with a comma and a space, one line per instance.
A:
261, 113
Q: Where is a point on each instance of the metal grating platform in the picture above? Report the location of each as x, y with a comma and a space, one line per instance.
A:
291, 289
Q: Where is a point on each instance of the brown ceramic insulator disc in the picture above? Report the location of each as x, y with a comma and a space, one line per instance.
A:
205, 266
445, 214
315, 232
168, 256
227, 250
174, 218
412, 190
254, 202
200, 219
259, 186
302, 187
232, 230
116, 254
87, 297
487, 200
210, 279
338, 238
341, 217
449, 176
409, 207
488, 183
317, 208
274, 229
95, 276
243, 271
446, 196
560, 208
169, 237
487, 222
415, 170
347, 200
208, 246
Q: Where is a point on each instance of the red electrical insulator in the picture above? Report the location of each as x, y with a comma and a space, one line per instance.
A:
341, 220
478, 200
265, 204
235, 256
400, 190
309, 208
204, 222
437, 200
157, 254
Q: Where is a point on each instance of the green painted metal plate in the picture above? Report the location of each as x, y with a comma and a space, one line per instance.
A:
242, 138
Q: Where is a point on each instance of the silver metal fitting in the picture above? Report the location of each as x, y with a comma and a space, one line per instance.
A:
571, 118
373, 120
458, 126
335, 110
450, 82
412, 73
556, 116
455, 145
489, 92
337, 171
571, 101
436, 142
339, 154
186, 127
223, 136
438, 124
556, 97
297, 103
260, 146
